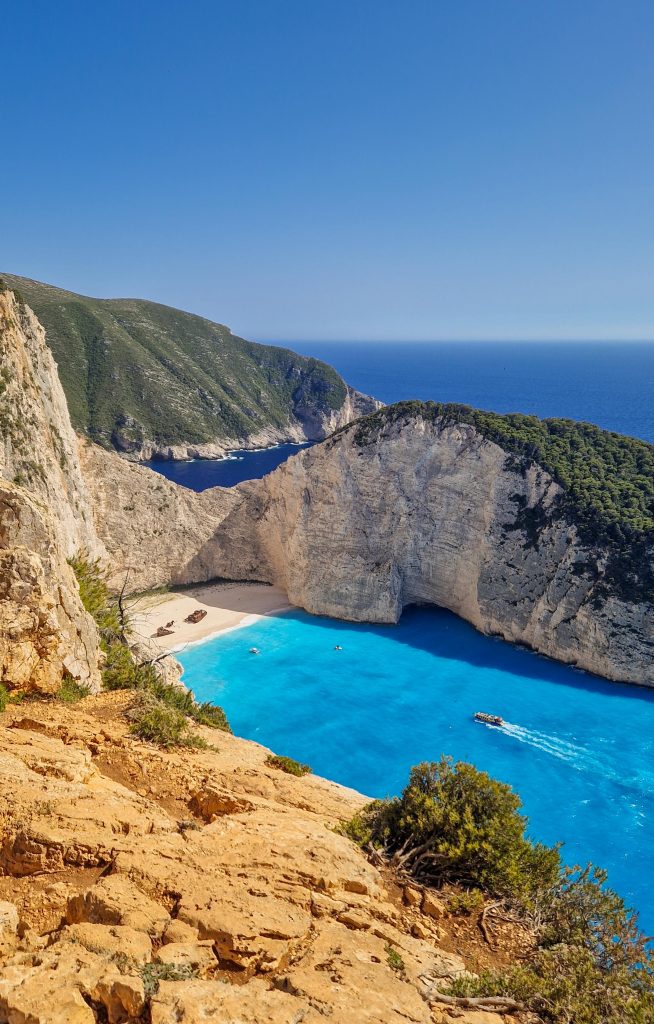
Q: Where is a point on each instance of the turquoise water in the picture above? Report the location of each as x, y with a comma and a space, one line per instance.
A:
579, 750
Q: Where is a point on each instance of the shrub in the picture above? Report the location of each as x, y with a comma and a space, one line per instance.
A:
184, 701
153, 973
466, 902
288, 765
592, 965
70, 692
455, 823
393, 958
4, 697
156, 722
121, 672
95, 597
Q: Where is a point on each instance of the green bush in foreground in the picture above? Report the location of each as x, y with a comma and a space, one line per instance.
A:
70, 692
455, 824
4, 697
288, 765
164, 719
156, 722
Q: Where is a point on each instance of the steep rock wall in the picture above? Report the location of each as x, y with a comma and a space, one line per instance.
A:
38, 447
45, 517
435, 514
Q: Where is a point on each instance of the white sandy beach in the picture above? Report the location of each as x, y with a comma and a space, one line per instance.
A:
227, 605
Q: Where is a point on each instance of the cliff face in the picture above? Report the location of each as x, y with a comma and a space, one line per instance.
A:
45, 517
433, 513
38, 447
423, 512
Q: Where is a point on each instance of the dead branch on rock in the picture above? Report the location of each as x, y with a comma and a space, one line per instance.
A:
500, 1004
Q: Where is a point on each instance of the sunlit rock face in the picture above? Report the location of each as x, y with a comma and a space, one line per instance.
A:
45, 517
424, 512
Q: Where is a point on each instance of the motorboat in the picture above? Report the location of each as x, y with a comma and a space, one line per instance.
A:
482, 716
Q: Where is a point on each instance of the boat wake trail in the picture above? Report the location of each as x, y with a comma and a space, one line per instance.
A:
575, 755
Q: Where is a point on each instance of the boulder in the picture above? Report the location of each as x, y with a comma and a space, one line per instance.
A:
116, 900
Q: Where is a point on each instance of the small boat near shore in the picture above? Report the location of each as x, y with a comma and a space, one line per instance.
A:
482, 716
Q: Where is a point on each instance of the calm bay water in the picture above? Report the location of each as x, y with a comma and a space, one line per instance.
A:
240, 465
579, 750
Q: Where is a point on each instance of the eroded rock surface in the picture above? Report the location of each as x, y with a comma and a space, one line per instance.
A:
263, 914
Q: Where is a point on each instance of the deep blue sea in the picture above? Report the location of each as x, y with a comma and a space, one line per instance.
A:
608, 383
578, 750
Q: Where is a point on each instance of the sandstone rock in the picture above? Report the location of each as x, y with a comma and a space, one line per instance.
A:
110, 940
48, 988
354, 919
258, 892
115, 900
211, 802
192, 1002
8, 921
412, 896
192, 954
419, 930
179, 931
123, 997
432, 905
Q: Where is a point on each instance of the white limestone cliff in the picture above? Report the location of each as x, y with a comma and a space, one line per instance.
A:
45, 518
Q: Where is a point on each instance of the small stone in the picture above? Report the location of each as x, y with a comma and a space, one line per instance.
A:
354, 919
8, 921
412, 896
419, 931
432, 906
198, 954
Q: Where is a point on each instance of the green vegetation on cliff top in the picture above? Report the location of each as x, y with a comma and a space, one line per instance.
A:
135, 370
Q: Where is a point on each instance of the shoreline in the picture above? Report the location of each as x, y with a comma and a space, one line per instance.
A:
228, 606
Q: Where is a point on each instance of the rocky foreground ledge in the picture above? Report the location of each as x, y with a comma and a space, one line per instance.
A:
138, 884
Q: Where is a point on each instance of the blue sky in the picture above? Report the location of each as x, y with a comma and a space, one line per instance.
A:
338, 168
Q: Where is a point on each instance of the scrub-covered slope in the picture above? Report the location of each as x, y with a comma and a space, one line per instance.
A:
145, 378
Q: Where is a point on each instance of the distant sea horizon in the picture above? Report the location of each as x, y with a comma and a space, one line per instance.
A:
610, 383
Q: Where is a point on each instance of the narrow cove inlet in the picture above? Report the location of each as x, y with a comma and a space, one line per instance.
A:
578, 749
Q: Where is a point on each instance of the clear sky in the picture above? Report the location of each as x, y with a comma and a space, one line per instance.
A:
338, 168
